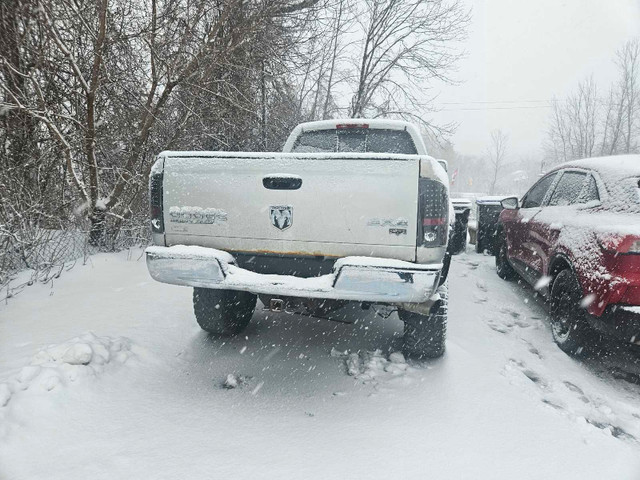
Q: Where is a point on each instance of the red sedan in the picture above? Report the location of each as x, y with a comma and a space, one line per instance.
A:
575, 236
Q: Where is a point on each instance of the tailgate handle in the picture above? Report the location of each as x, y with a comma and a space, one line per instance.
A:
282, 182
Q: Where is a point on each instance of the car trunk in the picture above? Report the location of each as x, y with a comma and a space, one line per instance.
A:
325, 205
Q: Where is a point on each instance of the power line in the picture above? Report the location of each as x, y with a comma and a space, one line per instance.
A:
495, 101
523, 107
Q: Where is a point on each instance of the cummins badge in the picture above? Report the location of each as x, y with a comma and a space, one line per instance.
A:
281, 216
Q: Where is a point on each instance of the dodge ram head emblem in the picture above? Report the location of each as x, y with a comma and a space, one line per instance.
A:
281, 216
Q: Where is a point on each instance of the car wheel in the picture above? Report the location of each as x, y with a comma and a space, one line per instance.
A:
568, 323
425, 335
503, 267
223, 312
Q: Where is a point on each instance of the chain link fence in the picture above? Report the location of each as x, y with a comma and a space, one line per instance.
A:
38, 254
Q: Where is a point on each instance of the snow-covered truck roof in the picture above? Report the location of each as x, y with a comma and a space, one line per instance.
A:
380, 123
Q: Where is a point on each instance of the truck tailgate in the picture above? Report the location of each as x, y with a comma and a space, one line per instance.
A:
297, 204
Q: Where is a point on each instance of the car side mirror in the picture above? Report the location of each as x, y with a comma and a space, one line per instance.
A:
510, 203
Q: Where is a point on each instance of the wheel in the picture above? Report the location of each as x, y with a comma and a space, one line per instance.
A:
424, 335
454, 244
569, 326
223, 312
503, 267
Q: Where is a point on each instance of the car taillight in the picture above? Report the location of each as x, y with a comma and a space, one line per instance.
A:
155, 196
433, 213
620, 244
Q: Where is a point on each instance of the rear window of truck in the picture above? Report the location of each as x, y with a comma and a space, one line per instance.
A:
356, 140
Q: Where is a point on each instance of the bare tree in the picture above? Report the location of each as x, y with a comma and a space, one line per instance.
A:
613, 125
628, 62
622, 106
574, 130
584, 124
122, 73
322, 63
406, 43
341, 20
496, 156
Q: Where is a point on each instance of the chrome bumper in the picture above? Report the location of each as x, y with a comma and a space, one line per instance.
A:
353, 278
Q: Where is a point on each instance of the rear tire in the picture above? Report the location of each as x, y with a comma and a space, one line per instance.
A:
424, 335
223, 312
569, 327
503, 267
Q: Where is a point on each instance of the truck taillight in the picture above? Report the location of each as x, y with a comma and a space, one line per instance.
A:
155, 196
433, 213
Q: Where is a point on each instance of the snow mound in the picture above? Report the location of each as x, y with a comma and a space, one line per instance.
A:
59, 365
231, 381
234, 381
373, 366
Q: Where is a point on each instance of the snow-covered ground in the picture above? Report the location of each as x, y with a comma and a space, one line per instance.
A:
107, 375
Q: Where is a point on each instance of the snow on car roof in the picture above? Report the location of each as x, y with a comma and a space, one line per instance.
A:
613, 166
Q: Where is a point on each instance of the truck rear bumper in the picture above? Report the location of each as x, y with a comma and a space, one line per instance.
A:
364, 279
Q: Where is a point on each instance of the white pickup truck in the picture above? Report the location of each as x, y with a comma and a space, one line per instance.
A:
352, 210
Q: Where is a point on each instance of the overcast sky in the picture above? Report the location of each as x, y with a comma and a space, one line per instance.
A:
523, 52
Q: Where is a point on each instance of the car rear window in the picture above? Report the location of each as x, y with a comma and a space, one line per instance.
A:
357, 140
622, 194
568, 189
625, 195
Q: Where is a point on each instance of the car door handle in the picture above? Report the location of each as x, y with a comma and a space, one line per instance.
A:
282, 182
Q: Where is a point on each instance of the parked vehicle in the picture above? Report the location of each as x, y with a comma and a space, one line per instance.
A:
353, 210
489, 208
462, 209
575, 236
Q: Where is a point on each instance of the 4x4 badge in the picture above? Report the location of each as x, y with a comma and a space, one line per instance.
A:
281, 216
